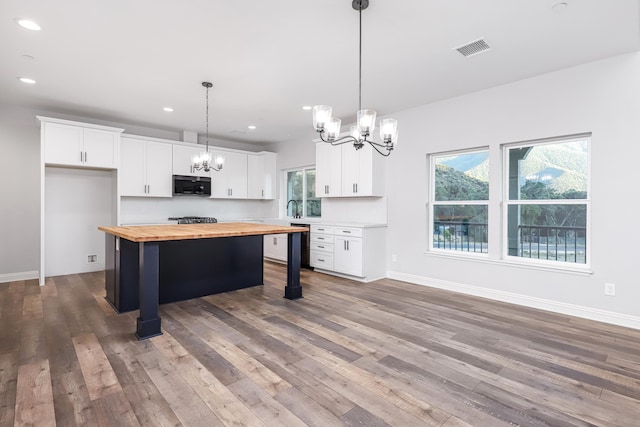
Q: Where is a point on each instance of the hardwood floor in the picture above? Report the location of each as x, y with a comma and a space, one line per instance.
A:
348, 353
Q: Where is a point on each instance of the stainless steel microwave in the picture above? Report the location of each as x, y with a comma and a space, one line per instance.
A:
191, 186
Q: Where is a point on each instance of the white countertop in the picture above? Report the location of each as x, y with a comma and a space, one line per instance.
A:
272, 221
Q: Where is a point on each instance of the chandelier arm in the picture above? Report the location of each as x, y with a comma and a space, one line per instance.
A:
339, 141
373, 145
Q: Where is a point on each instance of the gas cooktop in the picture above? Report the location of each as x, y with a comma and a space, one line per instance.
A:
194, 220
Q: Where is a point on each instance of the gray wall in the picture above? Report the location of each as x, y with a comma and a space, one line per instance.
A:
19, 193
600, 97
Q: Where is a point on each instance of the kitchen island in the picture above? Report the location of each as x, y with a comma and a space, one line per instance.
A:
156, 264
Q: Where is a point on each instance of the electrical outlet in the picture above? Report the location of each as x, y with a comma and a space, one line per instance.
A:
610, 289
92, 259
394, 258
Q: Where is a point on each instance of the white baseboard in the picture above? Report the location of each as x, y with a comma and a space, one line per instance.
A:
525, 300
14, 277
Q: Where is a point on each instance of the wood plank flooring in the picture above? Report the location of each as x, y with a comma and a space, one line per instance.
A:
385, 353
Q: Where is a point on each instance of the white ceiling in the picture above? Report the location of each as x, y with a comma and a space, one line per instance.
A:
124, 60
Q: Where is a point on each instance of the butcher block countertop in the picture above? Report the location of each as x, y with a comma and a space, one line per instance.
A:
164, 232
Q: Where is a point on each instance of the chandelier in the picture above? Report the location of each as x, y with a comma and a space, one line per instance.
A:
329, 127
203, 161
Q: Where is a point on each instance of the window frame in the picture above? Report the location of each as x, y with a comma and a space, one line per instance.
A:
303, 208
506, 203
432, 203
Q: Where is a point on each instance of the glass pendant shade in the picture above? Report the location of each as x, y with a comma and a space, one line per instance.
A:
333, 128
321, 116
366, 122
355, 132
219, 162
389, 131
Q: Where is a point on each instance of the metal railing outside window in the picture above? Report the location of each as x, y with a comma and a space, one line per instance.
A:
556, 243
460, 236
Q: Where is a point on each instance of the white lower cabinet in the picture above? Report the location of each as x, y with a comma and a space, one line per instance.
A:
275, 247
321, 251
357, 252
348, 256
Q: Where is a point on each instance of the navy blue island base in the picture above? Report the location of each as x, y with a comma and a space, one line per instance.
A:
141, 275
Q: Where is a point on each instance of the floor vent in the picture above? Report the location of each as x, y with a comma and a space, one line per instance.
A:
473, 48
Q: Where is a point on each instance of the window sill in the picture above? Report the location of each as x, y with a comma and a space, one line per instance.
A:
515, 263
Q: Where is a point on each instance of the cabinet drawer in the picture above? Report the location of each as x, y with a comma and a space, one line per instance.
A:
321, 238
323, 229
322, 247
348, 231
321, 260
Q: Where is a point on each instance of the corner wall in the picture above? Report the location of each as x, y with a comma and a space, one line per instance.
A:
601, 97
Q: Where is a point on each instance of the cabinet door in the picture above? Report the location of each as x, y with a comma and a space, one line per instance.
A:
132, 173
362, 171
183, 160
261, 176
275, 246
255, 176
231, 181
348, 256
100, 148
62, 144
159, 161
328, 170
236, 168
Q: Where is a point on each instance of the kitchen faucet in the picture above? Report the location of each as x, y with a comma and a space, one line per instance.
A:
295, 213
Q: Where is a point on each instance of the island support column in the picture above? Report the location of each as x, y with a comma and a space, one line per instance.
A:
293, 290
148, 324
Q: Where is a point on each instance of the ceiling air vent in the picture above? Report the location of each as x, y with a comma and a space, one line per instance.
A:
473, 48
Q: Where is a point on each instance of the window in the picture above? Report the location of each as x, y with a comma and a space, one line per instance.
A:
301, 193
547, 200
460, 201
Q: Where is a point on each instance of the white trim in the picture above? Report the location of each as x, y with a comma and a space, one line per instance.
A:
14, 277
524, 300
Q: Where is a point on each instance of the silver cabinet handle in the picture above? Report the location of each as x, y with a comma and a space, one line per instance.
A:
81, 157
356, 187
321, 247
275, 241
346, 231
347, 245
262, 193
320, 260
85, 157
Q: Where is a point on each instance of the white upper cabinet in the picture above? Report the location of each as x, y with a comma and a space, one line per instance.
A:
261, 175
343, 171
183, 160
76, 144
231, 181
328, 170
362, 171
145, 168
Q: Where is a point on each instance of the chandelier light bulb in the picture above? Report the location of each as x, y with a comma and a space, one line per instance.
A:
366, 122
321, 116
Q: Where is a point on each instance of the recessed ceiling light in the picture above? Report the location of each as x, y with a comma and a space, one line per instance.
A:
168, 109
252, 127
306, 107
26, 80
28, 24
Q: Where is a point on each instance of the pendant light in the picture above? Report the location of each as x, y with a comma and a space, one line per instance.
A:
329, 127
203, 161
